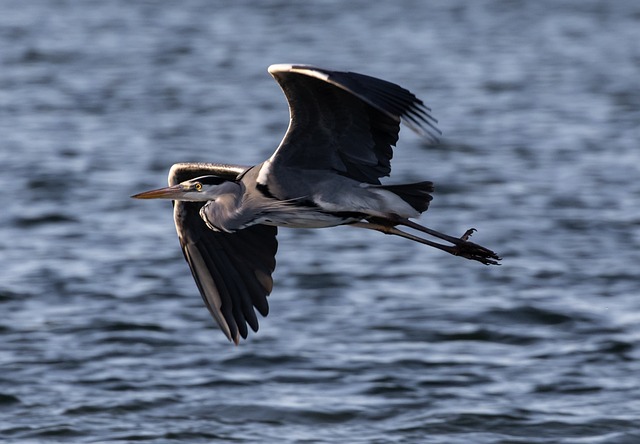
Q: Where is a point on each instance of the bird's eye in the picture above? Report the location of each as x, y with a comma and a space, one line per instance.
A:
198, 186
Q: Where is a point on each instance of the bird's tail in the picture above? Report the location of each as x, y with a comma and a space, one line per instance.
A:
415, 194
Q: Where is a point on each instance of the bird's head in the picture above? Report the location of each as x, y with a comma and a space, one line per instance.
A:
200, 189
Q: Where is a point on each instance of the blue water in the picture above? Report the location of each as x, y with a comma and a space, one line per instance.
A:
370, 339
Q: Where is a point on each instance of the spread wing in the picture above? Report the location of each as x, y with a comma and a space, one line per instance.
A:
232, 271
344, 121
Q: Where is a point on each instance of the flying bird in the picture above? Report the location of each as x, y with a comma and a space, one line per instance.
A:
325, 172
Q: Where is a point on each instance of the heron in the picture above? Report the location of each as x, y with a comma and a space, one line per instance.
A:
325, 172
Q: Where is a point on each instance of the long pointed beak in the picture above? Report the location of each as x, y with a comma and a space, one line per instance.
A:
173, 192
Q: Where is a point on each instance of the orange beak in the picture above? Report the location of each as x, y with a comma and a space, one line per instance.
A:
174, 192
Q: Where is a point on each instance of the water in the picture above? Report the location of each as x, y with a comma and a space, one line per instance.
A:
370, 339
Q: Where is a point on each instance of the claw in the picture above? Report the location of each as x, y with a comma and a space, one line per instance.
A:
467, 234
476, 252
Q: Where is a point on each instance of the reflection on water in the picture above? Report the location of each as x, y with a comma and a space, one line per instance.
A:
370, 339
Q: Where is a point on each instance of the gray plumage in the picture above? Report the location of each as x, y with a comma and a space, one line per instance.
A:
325, 172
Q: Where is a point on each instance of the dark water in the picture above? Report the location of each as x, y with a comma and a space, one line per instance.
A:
103, 337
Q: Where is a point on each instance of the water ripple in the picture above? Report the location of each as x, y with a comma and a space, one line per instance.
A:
369, 339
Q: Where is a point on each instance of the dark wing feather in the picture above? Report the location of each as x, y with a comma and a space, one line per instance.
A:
232, 271
344, 121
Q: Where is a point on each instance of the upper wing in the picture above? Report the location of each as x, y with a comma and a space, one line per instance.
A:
180, 172
344, 121
232, 271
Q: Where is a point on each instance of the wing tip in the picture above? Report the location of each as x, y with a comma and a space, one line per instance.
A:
279, 67
414, 116
308, 70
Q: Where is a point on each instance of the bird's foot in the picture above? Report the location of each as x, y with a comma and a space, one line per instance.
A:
473, 251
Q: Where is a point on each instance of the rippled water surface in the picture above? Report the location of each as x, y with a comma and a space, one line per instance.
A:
371, 339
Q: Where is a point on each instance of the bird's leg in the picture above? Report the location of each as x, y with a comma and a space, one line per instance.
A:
461, 246
390, 229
